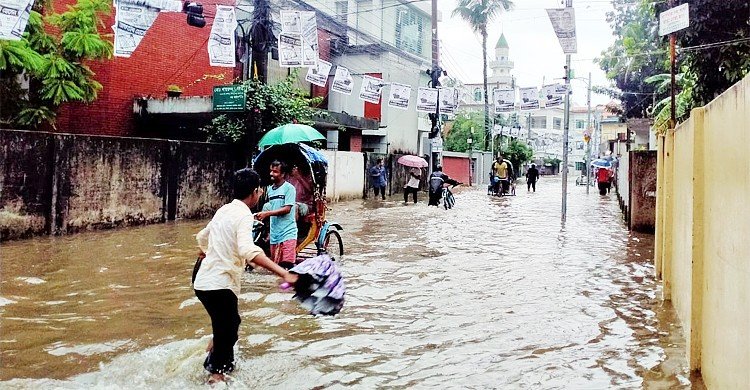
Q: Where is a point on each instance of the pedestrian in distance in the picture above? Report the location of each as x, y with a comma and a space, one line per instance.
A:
226, 247
532, 175
282, 198
412, 185
378, 178
437, 180
603, 180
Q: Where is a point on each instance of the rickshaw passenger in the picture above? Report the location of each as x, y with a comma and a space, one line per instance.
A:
303, 186
283, 230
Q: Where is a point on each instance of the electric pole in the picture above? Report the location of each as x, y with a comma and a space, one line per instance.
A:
588, 137
566, 129
435, 72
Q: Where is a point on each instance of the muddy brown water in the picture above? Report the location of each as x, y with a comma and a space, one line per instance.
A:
495, 293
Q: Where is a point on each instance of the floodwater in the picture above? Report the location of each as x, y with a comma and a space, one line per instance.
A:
495, 293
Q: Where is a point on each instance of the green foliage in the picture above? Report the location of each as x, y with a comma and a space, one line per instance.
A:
662, 111
174, 88
518, 152
52, 53
478, 14
455, 140
554, 162
269, 106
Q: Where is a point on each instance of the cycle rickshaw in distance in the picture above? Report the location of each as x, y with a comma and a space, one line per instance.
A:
316, 235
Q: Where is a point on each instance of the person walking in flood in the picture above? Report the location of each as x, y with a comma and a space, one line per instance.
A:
226, 246
412, 186
603, 179
437, 180
532, 175
378, 178
282, 198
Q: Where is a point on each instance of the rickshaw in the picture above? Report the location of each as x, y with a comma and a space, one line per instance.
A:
316, 235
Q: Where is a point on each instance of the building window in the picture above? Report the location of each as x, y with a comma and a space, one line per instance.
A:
579, 145
409, 31
580, 124
477, 94
342, 10
556, 123
539, 122
580, 165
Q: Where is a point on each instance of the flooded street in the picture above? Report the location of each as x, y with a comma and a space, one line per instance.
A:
492, 294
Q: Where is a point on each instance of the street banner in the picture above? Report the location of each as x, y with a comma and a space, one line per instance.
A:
564, 23
310, 52
133, 18
221, 43
342, 81
553, 94
14, 15
504, 100
302, 50
318, 73
514, 132
370, 89
497, 130
290, 50
427, 99
131, 24
529, 98
674, 19
399, 96
448, 100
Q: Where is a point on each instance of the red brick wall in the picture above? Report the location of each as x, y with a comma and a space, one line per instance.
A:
457, 168
171, 53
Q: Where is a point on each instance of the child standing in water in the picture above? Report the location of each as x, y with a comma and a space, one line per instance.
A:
227, 244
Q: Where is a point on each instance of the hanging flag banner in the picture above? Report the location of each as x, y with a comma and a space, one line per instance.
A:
342, 81
529, 98
427, 99
290, 50
553, 94
399, 96
221, 44
564, 23
497, 130
131, 24
309, 32
514, 132
318, 73
448, 100
133, 18
370, 89
21, 23
300, 29
504, 100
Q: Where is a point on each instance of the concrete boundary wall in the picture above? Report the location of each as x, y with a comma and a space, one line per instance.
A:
346, 175
63, 183
702, 250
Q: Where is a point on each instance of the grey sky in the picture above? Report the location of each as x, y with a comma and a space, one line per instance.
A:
533, 45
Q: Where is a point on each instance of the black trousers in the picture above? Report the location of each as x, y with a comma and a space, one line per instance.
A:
221, 306
435, 198
530, 185
380, 190
411, 190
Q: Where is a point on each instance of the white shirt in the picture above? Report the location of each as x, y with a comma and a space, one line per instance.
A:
227, 241
413, 181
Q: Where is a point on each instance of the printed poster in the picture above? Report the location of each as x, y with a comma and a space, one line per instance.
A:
290, 22
427, 99
290, 50
529, 98
221, 43
448, 100
399, 96
318, 73
342, 81
564, 23
14, 16
504, 100
370, 90
553, 95
310, 53
133, 18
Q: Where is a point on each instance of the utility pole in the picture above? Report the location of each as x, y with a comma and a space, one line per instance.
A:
672, 41
566, 130
588, 138
262, 39
435, 73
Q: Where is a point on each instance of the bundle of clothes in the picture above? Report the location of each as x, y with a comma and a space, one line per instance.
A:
320, 287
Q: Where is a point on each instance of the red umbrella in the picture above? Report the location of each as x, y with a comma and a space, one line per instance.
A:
413, 161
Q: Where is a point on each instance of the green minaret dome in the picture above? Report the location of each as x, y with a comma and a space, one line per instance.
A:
502, 43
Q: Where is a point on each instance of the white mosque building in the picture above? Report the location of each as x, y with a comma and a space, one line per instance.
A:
501, 66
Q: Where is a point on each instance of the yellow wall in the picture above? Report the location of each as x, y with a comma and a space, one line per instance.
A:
703, 235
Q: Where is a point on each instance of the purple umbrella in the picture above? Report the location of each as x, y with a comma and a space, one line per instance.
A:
320, 287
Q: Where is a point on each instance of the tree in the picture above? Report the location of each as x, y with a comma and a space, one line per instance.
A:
51, 55
479, 13
518, 153
638, 53
716, 46
455, 140
275, 105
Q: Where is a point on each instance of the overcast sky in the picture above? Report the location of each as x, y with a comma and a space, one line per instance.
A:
533, 45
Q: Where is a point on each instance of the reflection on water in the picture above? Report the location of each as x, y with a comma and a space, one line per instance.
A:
493, 294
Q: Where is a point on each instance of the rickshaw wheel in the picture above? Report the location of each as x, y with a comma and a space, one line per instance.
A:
333, 245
